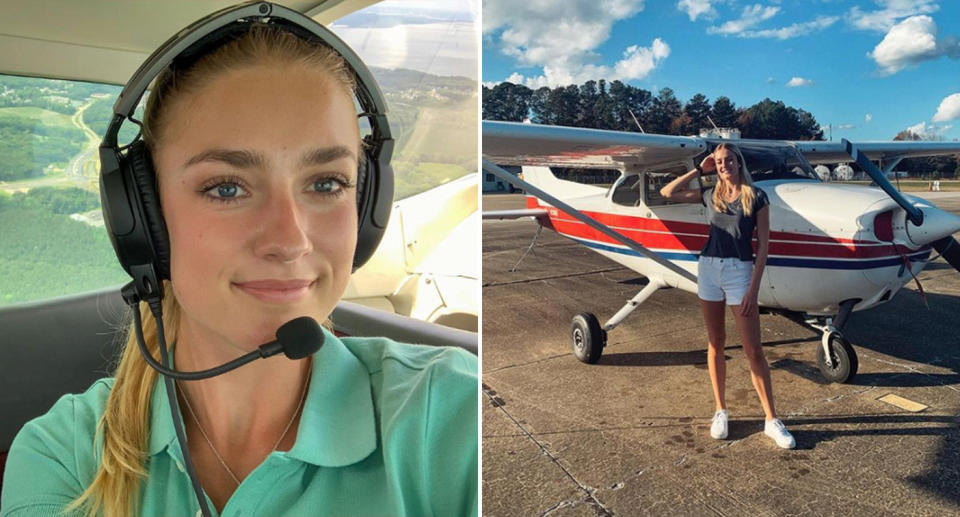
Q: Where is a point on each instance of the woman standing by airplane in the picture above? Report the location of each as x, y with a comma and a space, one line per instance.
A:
728, 271
264, 201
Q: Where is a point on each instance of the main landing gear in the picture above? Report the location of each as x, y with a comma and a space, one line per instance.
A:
836, 358
588, 337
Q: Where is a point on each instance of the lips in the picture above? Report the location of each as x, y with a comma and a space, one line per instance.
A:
275, 290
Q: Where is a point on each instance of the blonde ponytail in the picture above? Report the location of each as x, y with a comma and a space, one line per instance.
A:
123, 429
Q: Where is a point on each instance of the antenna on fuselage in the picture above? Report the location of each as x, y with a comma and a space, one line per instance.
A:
637, 122
712, 123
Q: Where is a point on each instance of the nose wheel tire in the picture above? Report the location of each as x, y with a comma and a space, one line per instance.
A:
587, 337
843, 357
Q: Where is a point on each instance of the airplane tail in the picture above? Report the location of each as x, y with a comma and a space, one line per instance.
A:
544, 179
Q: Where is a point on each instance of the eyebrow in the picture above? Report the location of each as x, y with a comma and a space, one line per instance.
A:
245, 159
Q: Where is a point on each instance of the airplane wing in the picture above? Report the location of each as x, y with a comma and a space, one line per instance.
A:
515, 214
834, 152
512, 143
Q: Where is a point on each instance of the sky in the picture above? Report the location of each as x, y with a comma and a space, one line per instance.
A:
867, 68
434, 36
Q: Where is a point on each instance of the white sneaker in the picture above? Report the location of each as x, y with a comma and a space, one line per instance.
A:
776, 430
718, 429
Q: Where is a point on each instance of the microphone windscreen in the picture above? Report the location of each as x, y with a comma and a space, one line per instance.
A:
300, 337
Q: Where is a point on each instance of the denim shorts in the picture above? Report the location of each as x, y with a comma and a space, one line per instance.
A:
723, 278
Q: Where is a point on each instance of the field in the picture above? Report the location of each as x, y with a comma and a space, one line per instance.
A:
42, 116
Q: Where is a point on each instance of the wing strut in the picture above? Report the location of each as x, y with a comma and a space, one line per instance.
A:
589, 221
913, 213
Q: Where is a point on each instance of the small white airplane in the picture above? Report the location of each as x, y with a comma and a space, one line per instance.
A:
834, 248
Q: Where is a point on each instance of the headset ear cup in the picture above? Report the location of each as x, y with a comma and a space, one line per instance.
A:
375, 197
145, 180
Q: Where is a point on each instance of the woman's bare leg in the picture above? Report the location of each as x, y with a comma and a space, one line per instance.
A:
716, 361
749, 329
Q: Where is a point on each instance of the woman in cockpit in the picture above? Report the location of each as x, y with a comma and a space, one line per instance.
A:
729, 272
260, 175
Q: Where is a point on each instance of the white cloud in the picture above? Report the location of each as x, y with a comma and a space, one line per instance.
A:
929, 131
771, 80
884, 19
751, 16
949, 109
868, 118
640, 61
562, 38
697, 8
792, 31
910, 42
799, 81
637, 63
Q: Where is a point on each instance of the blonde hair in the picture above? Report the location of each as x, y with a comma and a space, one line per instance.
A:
747, 193
123, 429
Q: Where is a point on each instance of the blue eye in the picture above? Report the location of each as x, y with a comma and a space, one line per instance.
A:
227, 190
327, 185
224, 190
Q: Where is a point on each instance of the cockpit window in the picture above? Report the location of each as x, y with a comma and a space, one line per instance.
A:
424, 56
626, 191
656, 179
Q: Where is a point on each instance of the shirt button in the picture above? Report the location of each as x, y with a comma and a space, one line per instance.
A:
199, 513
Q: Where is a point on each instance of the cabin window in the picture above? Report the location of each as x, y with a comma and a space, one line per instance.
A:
53, 243
627, 191
656, 179
424, 56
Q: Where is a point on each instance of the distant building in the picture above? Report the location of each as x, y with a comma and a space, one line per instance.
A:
727, 133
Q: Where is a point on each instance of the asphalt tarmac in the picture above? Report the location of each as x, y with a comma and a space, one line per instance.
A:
630, 435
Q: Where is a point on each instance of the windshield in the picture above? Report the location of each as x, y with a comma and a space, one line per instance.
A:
424, 56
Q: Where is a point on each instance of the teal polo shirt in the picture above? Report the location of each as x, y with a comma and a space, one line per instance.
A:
387, 429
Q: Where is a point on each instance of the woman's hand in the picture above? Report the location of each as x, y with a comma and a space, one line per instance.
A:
708, 165
749, 303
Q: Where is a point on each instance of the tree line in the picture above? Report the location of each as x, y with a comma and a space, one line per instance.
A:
622, 107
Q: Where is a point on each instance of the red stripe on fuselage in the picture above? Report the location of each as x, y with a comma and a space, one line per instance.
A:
691, 237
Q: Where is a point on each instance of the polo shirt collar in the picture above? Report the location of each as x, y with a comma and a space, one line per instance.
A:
337, 426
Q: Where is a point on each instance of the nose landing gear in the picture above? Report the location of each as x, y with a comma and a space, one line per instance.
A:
836, 358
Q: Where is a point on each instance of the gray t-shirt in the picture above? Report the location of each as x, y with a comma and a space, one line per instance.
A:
731, 232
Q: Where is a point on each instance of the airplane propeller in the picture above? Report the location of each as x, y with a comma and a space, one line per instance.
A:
947, 246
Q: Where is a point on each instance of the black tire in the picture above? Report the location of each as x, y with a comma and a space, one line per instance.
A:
587, 337
844, 359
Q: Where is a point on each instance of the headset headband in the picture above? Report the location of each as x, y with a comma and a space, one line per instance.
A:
368, 92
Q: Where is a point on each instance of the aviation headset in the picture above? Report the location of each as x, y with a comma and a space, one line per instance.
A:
128, 184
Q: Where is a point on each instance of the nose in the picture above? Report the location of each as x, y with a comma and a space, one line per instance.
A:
283, 234
937, 224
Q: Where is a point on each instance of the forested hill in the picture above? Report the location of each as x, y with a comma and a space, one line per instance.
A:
597, 104
403, 79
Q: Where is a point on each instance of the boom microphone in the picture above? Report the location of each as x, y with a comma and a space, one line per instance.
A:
297, 338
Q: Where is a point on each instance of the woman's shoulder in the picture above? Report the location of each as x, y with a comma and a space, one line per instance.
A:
53, 453
426, 399
761, 198
401, 372
74, 413
387, 355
